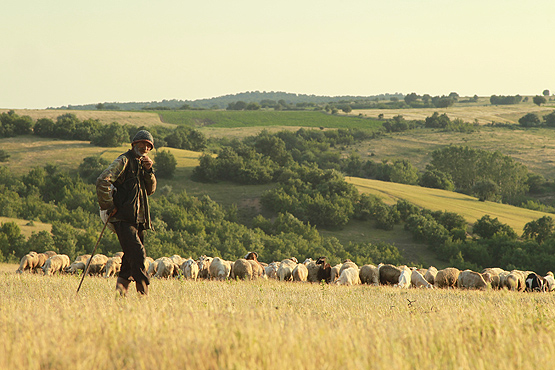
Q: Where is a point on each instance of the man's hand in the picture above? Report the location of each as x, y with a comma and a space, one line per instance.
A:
146, 162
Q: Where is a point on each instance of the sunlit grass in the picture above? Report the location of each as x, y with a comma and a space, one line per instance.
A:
268, 325
446, 201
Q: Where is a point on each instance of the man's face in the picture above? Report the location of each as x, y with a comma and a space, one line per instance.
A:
142, 148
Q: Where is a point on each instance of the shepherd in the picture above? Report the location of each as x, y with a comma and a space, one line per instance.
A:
122, 190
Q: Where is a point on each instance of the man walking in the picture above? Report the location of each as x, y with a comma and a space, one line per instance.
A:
122, 190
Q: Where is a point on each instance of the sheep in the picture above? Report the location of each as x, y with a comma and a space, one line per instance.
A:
257, 268
28, 262
369, 274
242, 269
389, 274
469, 279
118, 254
271, 270
41, 260
300, 272
516, 280
535, 283
78, 264
495, 274
404, 277
177, 259
203, 266
166, 268
153, 267
148, 261
349, 275
97, 264
334, 272
550, 280
190, 269
447, 278
419, 281
56, 263
430, 275
113, 267
325, 269
219, 269
285, 270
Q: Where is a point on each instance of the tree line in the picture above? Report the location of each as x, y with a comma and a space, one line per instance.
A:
69, 127
183, 224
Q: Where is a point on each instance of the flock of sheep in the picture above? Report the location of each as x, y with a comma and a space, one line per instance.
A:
248, 268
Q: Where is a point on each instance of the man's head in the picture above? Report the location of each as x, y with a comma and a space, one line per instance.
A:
145, 136
143, 142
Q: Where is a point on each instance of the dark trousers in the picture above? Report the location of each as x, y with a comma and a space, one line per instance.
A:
131, 239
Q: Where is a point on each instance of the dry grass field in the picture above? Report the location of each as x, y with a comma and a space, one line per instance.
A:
535, 148
483, 113
268, 325
130, 118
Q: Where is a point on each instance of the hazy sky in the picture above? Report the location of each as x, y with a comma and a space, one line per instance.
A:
62, 52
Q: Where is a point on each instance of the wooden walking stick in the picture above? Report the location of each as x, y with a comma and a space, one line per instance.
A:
94, 250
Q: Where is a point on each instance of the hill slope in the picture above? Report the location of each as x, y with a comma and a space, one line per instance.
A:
441, 200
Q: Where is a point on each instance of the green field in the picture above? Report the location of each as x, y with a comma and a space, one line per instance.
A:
245, 119
267, 324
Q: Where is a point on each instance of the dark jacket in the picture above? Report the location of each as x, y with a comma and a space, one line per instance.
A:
125, 184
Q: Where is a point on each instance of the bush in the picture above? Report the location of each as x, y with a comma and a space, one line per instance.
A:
165, 164
487, 228
530, 120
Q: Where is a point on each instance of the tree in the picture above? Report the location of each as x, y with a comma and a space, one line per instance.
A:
91, 167
252, 106
485, 190
455, 96
486, 228
111, 135
346, 108
549, 119
539, 100
411, 98
539, 229
436, 179
529, 120
545, 92
403, 172
165, 164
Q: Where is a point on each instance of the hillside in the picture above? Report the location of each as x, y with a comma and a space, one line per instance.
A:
139, 118
484, 113
441, 200
221, 102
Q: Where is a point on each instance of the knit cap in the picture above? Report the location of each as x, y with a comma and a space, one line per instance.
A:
143, 135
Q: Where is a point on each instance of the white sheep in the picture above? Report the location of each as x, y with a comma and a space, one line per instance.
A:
219, 269
418, 281
349, 276
190, 269
286, 267
404, 278
300, 273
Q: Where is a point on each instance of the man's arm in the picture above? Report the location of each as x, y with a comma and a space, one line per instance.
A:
106, 179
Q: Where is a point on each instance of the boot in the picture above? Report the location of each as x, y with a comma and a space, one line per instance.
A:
142, 287
122, 286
